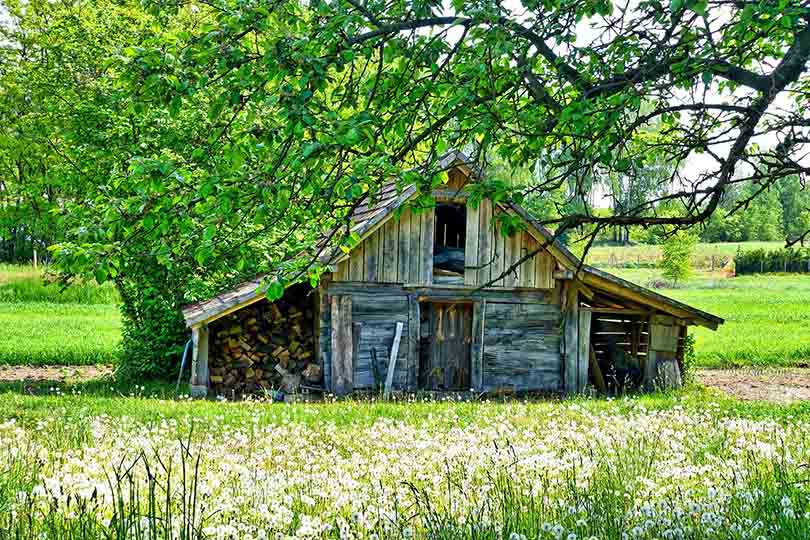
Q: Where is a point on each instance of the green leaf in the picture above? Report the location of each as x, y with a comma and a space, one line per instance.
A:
275, 291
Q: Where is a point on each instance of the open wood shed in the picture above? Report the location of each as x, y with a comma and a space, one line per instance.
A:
418, 304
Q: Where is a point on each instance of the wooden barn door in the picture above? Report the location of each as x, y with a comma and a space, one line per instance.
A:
521, 346
446, 362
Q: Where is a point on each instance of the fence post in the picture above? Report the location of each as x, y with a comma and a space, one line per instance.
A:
35, 258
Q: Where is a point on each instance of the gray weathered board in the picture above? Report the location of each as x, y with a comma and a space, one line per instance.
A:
521, 347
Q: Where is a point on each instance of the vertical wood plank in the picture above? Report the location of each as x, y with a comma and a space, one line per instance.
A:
528, 267
495, 252
342, 271
485, 242
357, 263
390, 251
413, 343
357, 335
199, 361
342, 366
571, 340
477, 346
381, 253
426, 253
370, 256
392, 361
403, 249
508, 259
540, 264
415, 243
583, 348
471, 246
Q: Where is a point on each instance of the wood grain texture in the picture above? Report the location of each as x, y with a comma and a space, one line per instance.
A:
471, 255
571, 339
199, 356
342, 362
521, 347
390, 251
370, 252
477, 346
447, 364
380, 311
583, 348
403, 247
484, 242
413, 336
426, 248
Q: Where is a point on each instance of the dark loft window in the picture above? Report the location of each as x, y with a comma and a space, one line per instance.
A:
448, 244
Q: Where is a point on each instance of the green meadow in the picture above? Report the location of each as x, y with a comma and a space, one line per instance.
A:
43, 323
767, 316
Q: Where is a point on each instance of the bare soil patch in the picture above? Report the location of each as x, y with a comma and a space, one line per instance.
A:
58, 374
787, 385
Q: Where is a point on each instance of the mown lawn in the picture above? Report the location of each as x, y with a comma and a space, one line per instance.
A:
58, 334
44, 324
767, 317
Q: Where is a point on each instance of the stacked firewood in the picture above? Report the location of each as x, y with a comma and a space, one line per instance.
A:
262, 347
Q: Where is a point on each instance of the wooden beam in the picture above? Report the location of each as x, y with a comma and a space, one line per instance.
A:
199, 361
571, 342
563, 274
342, 362
392, 361
477, 346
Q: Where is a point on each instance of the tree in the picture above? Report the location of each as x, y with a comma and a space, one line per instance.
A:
676, 252
193, 144
795, 199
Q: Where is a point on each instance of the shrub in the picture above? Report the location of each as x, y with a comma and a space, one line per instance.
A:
676, 252
760, 261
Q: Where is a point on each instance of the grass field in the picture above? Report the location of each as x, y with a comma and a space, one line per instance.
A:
767, 317
41, 324
682, 465
648, 255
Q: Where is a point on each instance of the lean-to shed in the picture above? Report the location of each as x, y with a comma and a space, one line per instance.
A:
442, 299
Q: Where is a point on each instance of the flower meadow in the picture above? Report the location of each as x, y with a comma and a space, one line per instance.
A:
513, 472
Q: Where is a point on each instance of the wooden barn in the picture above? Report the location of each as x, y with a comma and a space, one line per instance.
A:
418, 305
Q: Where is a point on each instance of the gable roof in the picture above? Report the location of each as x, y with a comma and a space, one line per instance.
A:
371, 214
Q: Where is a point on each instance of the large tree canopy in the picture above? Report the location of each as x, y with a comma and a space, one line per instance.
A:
190, 143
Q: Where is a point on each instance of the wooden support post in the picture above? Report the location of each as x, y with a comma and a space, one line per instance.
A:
661, 370
342, 361
571, 343
199, 361
413, 342
477, 346
583, 348
392, 361
598, 377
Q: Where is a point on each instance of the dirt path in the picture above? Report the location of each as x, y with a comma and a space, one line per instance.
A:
60, 374
787, 385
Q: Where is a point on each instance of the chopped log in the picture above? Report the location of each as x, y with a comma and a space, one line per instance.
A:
248, 345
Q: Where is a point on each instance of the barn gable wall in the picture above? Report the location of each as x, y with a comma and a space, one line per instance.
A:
401, 251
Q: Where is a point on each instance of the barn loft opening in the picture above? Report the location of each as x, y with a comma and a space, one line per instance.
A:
450, 237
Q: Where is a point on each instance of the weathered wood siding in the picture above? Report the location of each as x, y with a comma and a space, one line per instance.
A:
488, 253
377, 309
379, 315
399, 251
521, 347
